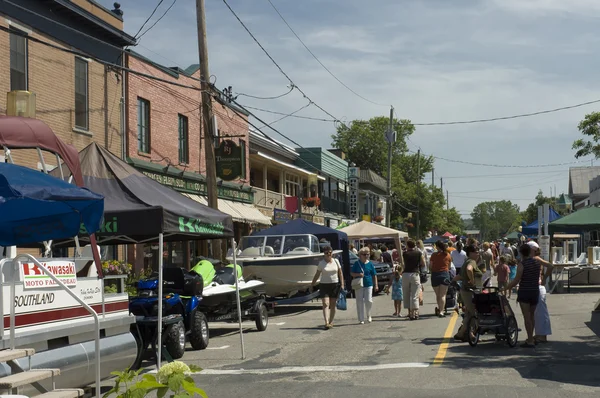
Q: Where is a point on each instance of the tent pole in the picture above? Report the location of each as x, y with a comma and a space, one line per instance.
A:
160, 299
237, 296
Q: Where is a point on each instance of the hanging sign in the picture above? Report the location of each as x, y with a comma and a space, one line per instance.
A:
228, 158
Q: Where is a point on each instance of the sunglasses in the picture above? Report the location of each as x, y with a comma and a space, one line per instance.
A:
363, 254
328, 252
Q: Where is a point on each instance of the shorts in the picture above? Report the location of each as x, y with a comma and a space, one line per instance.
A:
440, 278
331, 290
530, 297
502, 285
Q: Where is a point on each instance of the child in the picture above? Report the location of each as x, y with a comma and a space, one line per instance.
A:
502, 271
396, 287
512, 264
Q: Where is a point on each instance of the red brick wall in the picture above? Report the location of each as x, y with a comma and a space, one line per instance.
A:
51, 77
167, 101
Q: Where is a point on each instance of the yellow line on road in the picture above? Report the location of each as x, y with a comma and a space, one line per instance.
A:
441, 354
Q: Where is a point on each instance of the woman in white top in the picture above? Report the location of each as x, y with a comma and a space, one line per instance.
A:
458, 257
330, 271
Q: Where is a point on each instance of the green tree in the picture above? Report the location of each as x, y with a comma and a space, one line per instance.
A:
531, 212
496, 218
590, 128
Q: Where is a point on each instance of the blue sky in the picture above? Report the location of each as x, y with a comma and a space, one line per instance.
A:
433, 60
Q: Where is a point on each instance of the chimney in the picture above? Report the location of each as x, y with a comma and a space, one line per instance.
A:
117, 11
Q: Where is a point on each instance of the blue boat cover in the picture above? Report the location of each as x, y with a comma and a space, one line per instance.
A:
36, 207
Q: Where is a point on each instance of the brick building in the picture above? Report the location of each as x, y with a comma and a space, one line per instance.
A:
80, 99
164, 140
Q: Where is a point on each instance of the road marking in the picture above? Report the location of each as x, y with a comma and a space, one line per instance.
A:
279, 324
313, 369
441, 354
217, 348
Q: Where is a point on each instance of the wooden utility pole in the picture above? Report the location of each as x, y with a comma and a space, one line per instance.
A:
433, 177
391, 138
206, 118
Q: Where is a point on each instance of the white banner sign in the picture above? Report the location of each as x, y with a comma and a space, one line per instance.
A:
544, 241
35, 278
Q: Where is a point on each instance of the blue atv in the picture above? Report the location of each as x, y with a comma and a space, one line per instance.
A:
182, 316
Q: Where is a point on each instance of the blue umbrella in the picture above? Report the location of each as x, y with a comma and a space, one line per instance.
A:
36, 207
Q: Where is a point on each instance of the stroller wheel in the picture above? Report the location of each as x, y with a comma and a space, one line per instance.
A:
512, 331
473, 331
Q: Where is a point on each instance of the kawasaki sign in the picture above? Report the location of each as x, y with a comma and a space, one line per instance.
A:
196, 226
109, 226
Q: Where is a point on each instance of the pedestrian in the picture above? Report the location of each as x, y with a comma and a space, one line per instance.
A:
502, 272
396, 287
440, 276
451, 247
458, 257
470, 276
543, 326
330, 272
353, 249
363, 268
386, 256
414, 261
486, 262
512, 265
528, 278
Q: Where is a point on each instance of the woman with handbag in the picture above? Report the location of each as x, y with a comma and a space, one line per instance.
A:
330, 272
364, 277
440, 276
414, 261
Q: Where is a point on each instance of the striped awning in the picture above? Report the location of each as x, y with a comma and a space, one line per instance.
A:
239, 212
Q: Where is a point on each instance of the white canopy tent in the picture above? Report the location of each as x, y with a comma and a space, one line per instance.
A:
366, 230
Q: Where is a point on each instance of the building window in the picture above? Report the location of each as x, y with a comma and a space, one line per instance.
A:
18, 61
243, 150
184, 148
143, 125
292, 185
81, 94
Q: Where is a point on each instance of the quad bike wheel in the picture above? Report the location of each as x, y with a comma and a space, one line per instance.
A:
262, 318
175, 339
512, 331
199, 331
473, 331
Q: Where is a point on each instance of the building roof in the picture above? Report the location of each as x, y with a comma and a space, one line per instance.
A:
579, 180
261, 140
372, 178
564, 200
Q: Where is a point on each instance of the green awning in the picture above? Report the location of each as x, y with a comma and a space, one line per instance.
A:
588, 218
512, 236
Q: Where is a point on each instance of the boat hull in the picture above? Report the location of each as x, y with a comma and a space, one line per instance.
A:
283, 276
221, 297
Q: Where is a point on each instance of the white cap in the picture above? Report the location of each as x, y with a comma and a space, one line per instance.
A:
533, 245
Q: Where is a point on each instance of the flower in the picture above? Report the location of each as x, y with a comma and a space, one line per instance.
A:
171, 368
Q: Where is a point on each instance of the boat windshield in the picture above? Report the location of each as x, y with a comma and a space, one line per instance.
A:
277, 245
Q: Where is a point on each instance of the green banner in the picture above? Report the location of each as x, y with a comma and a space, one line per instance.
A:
228, 158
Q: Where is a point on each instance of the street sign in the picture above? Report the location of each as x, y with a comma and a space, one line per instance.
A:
228, 159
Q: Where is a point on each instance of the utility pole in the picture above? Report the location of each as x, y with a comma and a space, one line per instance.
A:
432, 177
447, 201
419, 194
442, 184
391, 138
206, 118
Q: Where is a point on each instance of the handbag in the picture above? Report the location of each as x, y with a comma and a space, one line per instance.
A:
357, 283
341, 302
423, 276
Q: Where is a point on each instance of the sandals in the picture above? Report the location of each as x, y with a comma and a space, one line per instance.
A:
527, 345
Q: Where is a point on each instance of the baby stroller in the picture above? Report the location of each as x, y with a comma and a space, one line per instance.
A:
451, 298
492, 314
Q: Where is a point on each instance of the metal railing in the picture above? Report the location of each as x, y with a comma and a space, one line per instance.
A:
29, 258
264, 197
333, 205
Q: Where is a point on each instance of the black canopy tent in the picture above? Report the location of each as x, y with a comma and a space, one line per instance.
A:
138, 209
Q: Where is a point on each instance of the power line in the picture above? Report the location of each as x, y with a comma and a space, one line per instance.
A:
148, 19
508, 175
509, 117
504, 165
516, 186
488, 198
290, 115
267, 98
158, 20
319, 61
295, 116
277, 65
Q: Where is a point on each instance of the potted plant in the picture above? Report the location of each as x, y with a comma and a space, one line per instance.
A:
313, 201
378, 218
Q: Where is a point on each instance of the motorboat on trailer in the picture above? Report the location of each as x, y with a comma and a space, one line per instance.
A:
53, 329
285, 263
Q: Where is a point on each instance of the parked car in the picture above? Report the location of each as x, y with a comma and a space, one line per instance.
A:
384, 272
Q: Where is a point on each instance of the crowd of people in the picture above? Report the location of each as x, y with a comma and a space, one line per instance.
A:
468, 263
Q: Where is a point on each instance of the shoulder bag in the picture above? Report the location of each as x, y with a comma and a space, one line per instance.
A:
423, 272
357, 282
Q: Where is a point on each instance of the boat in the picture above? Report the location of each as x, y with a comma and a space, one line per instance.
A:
50, 327
285, 263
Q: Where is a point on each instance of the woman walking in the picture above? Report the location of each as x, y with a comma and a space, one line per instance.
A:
330, 272
411, 280
440, 276
363, 268
528, 279
543, 327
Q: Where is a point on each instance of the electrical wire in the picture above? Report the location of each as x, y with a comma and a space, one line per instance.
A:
517, 166
488, 198
148, 19
509, 117
157, 21
267, 98
289, 115
277, 65
295, 116
319, 61
517, 186
506, 175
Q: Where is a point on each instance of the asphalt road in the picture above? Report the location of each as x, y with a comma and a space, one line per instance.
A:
394, 357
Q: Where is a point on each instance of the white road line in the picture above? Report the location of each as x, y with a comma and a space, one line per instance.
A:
279, 324
217, 348
314, 369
